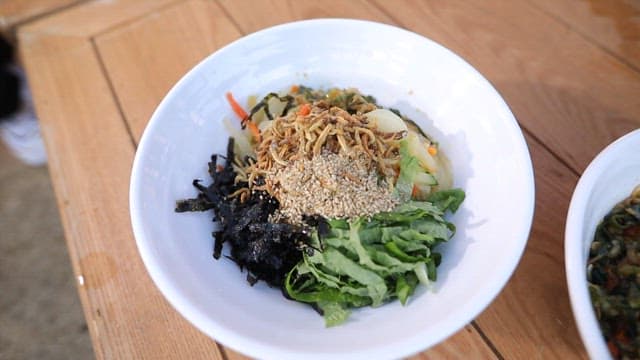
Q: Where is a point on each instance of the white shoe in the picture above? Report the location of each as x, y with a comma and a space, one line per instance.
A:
21, 132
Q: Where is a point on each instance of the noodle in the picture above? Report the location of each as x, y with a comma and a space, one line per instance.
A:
294, 137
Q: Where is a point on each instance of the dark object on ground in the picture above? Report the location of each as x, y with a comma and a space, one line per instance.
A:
9, 82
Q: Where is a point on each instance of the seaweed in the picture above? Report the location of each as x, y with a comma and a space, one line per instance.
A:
267, 250
351, 100
264, 104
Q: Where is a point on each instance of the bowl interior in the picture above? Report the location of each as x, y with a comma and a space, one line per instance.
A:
425, 81
609, 179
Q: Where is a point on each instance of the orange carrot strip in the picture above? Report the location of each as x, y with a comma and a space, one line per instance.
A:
432, 150
295, 89
613, 349
305, 110
255, 131
244, 117
415, 191
236, 107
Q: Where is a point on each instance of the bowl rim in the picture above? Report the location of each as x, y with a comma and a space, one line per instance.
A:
575, 269
255, 348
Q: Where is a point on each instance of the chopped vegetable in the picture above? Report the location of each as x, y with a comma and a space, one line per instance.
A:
372, 261
236, 107
613, 272
305, 109
264, 105
409, 170
244, 117
267, 250
276, 201
387, 121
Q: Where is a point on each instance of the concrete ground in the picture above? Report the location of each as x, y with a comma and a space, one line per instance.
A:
40, 312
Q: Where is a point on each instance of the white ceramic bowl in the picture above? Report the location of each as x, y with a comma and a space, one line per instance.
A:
609, 179
427, 82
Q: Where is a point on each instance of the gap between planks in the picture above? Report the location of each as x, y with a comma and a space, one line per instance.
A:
486, 339
221, 348
116, 99
13, 29
135, 19
103, 67
584, 36
398, 22
243, 33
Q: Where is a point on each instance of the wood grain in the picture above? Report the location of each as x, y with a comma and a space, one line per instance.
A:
91, 157
572, 95
15, 12
614, 24
136, 56
536, 297
95, 17
98, 70
532, 317
251, 16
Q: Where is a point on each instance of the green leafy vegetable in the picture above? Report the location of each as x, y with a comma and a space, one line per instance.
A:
367, 262
409, 169
613, 272
447, 199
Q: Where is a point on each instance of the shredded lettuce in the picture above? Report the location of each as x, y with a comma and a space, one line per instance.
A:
409, 170
370, 261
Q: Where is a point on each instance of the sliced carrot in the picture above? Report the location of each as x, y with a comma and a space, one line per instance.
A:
432, 150
236, 107
305, 110
255, 131
622, 338
415, 191
613, 349
244, 117
219, 168
295, 89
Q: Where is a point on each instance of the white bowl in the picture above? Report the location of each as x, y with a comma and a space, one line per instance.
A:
609, 179
427, 82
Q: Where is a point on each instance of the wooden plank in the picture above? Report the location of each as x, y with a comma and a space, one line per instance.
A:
473, 33
144, 59
234, 355
465, 344
16, 12
534, 306
95, 17
252, 16
64, 65
612, 24
567, 91
127, 316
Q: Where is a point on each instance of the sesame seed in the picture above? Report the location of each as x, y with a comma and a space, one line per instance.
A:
330, 185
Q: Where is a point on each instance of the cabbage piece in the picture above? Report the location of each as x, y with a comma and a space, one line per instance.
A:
370, 261
386, 121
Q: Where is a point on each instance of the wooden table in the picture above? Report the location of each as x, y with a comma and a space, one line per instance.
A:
570, 70
14, 13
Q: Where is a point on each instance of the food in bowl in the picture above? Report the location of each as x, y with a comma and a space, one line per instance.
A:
448, 99
330, 197
613, 272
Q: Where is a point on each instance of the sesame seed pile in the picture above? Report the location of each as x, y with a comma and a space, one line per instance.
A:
330, 185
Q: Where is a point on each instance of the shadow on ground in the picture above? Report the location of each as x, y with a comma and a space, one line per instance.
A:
40, 312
